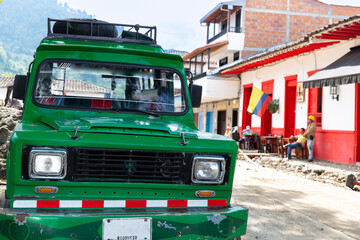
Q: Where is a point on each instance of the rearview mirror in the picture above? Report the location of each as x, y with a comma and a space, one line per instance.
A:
19, 89
195, 93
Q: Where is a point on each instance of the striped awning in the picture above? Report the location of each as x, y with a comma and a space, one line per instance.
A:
345, 70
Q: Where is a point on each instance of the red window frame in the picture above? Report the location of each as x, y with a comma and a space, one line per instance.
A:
315, 107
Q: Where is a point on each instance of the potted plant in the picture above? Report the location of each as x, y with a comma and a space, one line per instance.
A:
273, 106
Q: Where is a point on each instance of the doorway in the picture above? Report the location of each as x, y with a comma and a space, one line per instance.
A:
235, 118
290, 105
209, 122
266, 120
357, 123
235, 135
221, 122
246, 117
238, 21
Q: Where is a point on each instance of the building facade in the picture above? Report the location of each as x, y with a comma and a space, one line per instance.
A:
238, 30
283, 72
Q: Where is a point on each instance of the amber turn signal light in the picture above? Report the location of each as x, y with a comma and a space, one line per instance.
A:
205, 193
46, 189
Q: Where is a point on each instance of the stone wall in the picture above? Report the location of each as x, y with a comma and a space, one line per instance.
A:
9, 117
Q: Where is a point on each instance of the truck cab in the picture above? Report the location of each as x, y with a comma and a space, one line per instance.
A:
107, 147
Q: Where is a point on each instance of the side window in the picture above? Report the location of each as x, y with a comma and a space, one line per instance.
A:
224, 25
223, 61
315, 104
236, 56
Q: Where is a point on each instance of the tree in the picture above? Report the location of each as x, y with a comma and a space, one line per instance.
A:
23, 24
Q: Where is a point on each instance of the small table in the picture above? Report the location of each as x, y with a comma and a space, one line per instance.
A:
285, 140
252, 137
270, 139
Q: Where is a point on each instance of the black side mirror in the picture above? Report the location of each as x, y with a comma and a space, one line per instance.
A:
20, 84
195, 93
195, 90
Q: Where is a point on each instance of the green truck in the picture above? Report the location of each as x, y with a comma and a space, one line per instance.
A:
107, 147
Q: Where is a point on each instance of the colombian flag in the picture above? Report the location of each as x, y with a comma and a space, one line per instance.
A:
258, 102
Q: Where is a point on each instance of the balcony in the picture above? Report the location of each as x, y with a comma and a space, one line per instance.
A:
223, 32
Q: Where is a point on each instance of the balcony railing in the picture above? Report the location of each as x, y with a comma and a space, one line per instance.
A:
201, 75
223, 32
235, 29
216, 36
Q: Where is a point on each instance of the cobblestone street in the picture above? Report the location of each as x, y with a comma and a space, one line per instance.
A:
285, 206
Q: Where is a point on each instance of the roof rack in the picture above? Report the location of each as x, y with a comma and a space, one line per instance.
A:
92, 29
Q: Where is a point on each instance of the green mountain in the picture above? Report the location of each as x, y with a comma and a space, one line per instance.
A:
23, 24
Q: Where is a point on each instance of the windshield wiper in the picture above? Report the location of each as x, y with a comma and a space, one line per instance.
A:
138, 110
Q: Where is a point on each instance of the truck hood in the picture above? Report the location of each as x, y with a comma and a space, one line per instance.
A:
120, 126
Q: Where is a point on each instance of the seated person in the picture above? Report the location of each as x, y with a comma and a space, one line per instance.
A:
300, 142
154, 99
246, 131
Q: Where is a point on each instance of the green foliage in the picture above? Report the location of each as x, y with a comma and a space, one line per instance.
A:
7, 75
273, 106
23, 24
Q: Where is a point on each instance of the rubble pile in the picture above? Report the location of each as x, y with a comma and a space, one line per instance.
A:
313, 171
9, 117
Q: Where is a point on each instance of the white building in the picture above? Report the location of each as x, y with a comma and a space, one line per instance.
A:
224, 41
5, 82
331, 94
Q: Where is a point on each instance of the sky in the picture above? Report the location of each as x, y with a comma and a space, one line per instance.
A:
178, 22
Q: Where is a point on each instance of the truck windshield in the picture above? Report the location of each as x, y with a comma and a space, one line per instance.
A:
101, 86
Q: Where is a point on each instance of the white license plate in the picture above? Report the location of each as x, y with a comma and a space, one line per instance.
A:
127, 228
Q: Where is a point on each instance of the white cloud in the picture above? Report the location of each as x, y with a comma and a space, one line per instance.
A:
178, 22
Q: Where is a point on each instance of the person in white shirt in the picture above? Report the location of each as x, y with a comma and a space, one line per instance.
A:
246, 131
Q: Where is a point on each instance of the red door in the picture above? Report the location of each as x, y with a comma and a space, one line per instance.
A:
357, 122
266, 120
246, 117
290, 105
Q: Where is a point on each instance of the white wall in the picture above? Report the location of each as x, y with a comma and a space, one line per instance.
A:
236, 44
339, 115
236, 41
217, 89
2, 94
334, 113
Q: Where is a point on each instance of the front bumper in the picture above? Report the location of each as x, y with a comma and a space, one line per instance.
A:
199, 223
